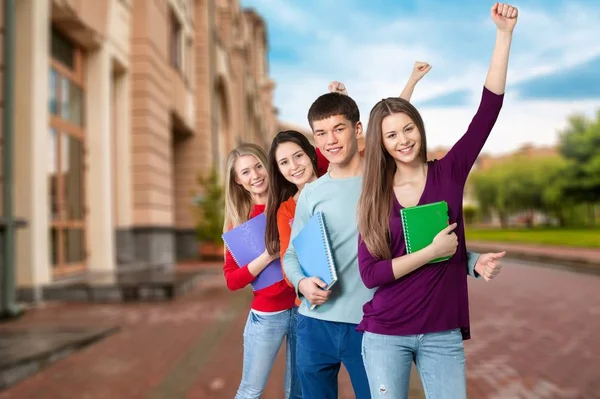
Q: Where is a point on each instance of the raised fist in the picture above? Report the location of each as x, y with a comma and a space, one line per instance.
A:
419, 70
504, 16
337, 87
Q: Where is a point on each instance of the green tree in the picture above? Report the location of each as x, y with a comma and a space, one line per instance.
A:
580, 144
521, 184
488, 189
521, 188
210, 208
550, 172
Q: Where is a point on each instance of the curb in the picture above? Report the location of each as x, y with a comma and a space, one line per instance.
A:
580, 265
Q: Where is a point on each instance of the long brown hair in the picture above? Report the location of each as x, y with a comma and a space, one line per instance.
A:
375, 203
280, 189
238, 202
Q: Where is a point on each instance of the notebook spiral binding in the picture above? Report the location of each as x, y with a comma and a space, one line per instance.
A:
405, 231
327, 246
231, 253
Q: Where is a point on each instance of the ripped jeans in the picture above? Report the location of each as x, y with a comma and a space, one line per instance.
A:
263, 337
439, 357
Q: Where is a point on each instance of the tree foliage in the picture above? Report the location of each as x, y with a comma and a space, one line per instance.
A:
560, 186
210, 208
580, 144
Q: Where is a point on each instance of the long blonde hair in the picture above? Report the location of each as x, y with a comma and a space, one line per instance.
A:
238, 202
375, 203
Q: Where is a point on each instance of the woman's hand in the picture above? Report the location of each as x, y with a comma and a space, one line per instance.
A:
444, 243
270, 257
504, 16
419, 70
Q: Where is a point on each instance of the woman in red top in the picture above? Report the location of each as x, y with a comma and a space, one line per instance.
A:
272, 313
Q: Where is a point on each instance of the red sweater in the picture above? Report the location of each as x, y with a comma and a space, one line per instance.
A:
279, 296
322, 163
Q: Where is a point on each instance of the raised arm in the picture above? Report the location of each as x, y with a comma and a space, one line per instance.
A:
505, 18
419, 70
461, 157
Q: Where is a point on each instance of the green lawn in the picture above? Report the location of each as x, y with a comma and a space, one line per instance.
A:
585, 238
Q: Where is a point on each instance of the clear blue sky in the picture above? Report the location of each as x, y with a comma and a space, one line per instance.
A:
371, 46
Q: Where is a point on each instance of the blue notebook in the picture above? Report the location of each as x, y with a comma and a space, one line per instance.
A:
246, 242
314, 251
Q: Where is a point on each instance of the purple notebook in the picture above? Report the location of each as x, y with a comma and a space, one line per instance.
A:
246, 242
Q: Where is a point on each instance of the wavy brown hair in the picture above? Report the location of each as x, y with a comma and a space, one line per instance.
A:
375, 203
280, 189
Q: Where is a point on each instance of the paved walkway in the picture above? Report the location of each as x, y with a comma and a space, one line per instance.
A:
535, 335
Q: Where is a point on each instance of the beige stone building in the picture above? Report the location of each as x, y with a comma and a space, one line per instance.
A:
119, 105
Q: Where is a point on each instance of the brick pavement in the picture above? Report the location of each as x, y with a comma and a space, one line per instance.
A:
534, 336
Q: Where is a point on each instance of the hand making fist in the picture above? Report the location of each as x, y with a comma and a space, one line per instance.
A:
504, 16
488, 265
313, 289
337, 87
419, 70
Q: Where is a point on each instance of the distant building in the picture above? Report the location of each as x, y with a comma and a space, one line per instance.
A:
528, 151
120, 105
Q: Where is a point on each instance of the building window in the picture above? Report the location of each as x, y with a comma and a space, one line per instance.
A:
62, 50
66, 157
175, 41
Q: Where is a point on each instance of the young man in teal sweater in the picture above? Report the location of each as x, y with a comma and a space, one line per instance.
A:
327, 336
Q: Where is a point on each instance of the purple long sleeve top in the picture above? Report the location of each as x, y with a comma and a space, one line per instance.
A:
434, 297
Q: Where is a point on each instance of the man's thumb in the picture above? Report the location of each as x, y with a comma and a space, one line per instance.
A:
319, 282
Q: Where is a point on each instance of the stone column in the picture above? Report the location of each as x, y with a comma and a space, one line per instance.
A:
98, 177
32, 145
125, 245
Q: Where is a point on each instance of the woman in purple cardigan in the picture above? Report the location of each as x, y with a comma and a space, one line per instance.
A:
420, 311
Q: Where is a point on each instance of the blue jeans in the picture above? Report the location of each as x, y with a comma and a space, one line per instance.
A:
322, 347
439, 357
263, 337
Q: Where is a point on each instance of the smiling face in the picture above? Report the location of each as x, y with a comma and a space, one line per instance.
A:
294, 164
401, 138
251, 174
337, 138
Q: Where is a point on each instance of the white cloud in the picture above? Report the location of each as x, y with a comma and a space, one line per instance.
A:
520, 122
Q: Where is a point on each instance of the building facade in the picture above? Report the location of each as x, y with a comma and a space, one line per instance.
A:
119, 106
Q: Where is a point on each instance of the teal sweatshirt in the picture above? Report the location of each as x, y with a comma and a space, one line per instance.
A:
337, 199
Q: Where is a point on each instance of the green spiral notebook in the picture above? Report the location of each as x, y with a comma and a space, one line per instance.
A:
422, 223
